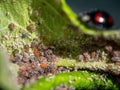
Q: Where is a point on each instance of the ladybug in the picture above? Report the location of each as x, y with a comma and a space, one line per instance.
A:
98, 19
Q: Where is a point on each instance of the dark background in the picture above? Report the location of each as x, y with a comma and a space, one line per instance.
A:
110, 6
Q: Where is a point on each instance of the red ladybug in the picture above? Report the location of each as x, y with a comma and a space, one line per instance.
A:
97, 19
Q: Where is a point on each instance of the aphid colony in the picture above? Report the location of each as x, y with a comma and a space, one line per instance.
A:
35, 60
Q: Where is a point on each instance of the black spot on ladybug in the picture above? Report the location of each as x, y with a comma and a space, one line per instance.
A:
97, 19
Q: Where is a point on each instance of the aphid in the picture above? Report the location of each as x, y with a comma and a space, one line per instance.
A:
81, 58
23, 68
109, 48
16, 52
37, 13
34, 43
116, 53
36, 52
51, 47
31, 27
86, 56
43, 47
43, 65
11, 26
24, 35
97, 19
26, 48
115, 59
43, 59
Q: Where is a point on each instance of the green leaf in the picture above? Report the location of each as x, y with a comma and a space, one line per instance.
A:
15, 12
80, 80
54, 28
51, 25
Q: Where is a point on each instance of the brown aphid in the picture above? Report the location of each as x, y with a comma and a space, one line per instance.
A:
115, 59
16, 52
44, 47
36, 52
116, 53
43, 65
37, 13
86, 56
53, 70
115, 72
52, 47
49, 52
29, 67
34, 66
43, 59
81, 58
24, 73
26, 48
34, 43
109, 48
23, 68
31, 27
94, 56
11, 26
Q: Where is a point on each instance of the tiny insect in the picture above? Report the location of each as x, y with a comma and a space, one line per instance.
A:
37, 13
11, 26
36, 52
24, 35
98, 19
43, 65
26, 48
31, 27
